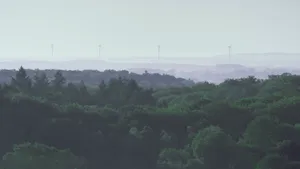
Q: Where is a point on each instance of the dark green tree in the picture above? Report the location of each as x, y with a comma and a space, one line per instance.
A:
41, 83
59, 80
21, 81
36, 156
212, 144
272, 161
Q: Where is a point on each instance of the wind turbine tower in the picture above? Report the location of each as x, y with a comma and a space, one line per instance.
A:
99, 51
229, 53
52, 50
158, 52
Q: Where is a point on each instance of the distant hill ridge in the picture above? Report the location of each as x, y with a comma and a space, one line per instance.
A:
94, 77
246, 59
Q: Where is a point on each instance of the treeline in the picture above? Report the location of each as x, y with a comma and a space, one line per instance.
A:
244, 123
92, 78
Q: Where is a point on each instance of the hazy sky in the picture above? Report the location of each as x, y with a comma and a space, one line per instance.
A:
183, 28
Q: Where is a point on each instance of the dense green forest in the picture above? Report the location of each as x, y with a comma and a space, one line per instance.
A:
247, 123
92, 78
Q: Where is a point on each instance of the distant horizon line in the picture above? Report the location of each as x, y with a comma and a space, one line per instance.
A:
152, 58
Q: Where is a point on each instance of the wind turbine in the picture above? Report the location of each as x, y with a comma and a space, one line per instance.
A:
52, 50
229, 53
158, 52
99, 50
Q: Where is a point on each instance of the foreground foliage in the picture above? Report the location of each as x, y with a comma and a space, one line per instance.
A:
239, 124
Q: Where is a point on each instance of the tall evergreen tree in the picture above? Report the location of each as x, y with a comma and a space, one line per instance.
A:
59, 80
41, 82
21, 81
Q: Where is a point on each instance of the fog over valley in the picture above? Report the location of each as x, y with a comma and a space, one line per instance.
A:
212, 69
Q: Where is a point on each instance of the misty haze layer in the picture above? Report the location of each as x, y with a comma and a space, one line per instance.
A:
133, 29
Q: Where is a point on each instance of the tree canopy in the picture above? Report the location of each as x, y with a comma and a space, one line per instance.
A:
48, 121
